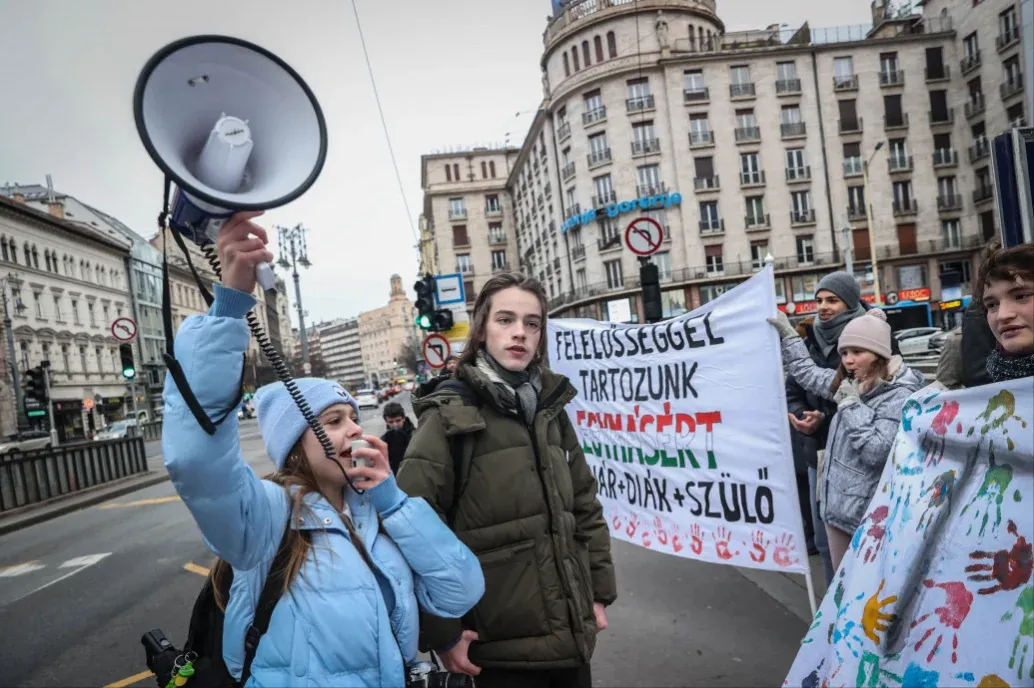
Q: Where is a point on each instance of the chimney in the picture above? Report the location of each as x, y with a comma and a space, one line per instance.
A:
54, 206
14, 192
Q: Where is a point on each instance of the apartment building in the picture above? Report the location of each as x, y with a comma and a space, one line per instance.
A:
773, 142
382, 333
467, 223
341, 351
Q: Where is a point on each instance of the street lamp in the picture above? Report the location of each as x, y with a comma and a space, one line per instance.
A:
294, 252
868, 221
19, 397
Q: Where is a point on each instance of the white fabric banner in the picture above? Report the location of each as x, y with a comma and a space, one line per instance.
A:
684, 426
936, 589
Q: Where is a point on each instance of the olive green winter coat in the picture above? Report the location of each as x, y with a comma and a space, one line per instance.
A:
529, 512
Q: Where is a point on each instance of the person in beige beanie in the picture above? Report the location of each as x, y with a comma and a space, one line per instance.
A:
869, 388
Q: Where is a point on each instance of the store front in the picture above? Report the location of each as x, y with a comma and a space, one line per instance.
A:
68, 419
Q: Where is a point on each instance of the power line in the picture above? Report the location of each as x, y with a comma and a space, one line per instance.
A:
384, 123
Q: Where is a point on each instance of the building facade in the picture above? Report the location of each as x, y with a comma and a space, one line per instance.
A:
467, 225
383, 332
67, 282
341, 350
762, 143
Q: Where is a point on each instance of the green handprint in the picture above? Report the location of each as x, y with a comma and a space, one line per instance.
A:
1022, 645
807, 636
990, 495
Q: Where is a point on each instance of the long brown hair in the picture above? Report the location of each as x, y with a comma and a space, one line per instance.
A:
880, 371
483, 309
298, 478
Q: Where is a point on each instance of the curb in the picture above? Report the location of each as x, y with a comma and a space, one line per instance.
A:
46, 511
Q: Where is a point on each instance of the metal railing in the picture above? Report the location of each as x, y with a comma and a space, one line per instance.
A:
792, 129
787, 86
44, 474
741, 90
943, 157
639, 104
970, 62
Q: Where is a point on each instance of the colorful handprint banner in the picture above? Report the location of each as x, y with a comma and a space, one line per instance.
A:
684, 426
937, 590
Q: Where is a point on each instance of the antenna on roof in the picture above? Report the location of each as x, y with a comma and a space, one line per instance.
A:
51, 197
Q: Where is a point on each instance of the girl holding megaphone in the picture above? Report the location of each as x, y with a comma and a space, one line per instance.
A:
361, 564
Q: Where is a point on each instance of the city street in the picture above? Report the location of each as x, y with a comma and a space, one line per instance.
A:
77, 592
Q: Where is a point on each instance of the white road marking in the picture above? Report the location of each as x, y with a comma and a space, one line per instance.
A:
21, 569
78, 564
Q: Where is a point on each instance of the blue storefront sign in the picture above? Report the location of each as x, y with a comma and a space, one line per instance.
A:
657, 202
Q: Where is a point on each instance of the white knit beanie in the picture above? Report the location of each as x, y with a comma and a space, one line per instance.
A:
869, 332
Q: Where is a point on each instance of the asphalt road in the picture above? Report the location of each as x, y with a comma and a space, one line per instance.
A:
77, 592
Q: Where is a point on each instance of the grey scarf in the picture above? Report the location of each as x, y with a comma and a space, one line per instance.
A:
520, 391
1002, 367
828, 332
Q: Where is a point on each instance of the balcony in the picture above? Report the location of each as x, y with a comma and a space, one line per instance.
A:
788, 87
903, 208
650, 189
457, 213
980, 149
701, 139
942, 74
712, 226
465, 269
851, 126
706, 183
802, 217
573, 210
792, 130
741, 90
646, 147
942, 118
567, 171
896, 122
493, 210
983, 193
945, 157
853, 167
500, 266
594, 116
578, 252
601, 200
747, 134
696, 95
1011, 88
1007, 39
899, 163
949, 202
969, 63
855, 213
608, 243
563, 132
598, 158
754, 222
752, 178
845, 83
640, 104
497, 237
798, 174
892, 78
974, 105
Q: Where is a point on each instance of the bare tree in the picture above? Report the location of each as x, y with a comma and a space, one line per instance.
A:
409, 356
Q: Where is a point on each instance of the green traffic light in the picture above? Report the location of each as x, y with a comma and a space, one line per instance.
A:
423, 321
128, 373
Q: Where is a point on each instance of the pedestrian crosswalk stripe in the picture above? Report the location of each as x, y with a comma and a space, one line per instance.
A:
20, 569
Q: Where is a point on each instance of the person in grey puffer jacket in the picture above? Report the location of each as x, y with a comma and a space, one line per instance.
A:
870, 389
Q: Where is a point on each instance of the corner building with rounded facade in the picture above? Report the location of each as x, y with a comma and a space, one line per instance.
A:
759, 141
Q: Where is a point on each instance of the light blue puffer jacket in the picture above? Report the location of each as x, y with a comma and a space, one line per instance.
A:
335, 625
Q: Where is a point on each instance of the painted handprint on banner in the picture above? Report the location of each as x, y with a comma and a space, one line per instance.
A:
871, 538
722, 539
939, 492
844, 632
632, 527
958, 601
1009, 568
646, 539
873, 618
1021, 647
696, 543
616, 522
676, 540
785, 550
990, 495
658, 529
759, 546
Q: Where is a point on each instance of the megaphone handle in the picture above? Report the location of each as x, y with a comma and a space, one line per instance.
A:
264, 275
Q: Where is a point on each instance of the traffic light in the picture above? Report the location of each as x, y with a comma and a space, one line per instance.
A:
128, 367
425, 289
442, 320
36, 385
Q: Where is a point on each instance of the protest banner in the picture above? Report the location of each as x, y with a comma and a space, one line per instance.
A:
684, 425
936, 589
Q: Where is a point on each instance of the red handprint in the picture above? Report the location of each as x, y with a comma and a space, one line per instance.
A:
721, 543
876, 531
676, 540
951, 614
784, 551
633, 526
1010, 568
759, 548
616, 521
646, 538
697, 535
658, 529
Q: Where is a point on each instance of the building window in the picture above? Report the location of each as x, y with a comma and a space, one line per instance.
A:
710, 221
663, 262
597, 43
912, 277
713, 256
459, 236
492, 204
567, 66
803, 287
484, 170
65, 360
23, 348
612, 45
57, 309
615, 276
843, 72
805, 250
758, 251
585, 53
499, 260
574, 58
952, 233
491, 169
448, 173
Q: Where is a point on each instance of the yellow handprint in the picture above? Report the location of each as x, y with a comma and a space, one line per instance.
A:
872, 618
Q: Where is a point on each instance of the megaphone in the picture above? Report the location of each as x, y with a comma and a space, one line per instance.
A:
233, 126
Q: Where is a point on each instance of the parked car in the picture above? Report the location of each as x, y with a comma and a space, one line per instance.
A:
937, 341
366, 398
915, 341
26, 441
116, 431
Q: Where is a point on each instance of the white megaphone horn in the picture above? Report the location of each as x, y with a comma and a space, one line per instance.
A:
233, 126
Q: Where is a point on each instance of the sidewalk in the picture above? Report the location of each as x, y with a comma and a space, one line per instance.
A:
790, 590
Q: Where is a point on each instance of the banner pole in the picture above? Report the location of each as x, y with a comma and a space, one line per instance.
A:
811, 592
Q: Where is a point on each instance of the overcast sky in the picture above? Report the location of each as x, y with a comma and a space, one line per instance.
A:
449, 72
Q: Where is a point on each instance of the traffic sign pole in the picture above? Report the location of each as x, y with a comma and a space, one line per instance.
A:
644, 237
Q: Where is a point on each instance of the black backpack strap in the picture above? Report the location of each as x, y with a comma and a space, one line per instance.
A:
460, 446
272, 591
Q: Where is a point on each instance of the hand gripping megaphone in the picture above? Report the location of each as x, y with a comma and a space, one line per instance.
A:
233, 127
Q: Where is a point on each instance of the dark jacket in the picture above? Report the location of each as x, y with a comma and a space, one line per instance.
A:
529, 512
977, 343
397, 441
